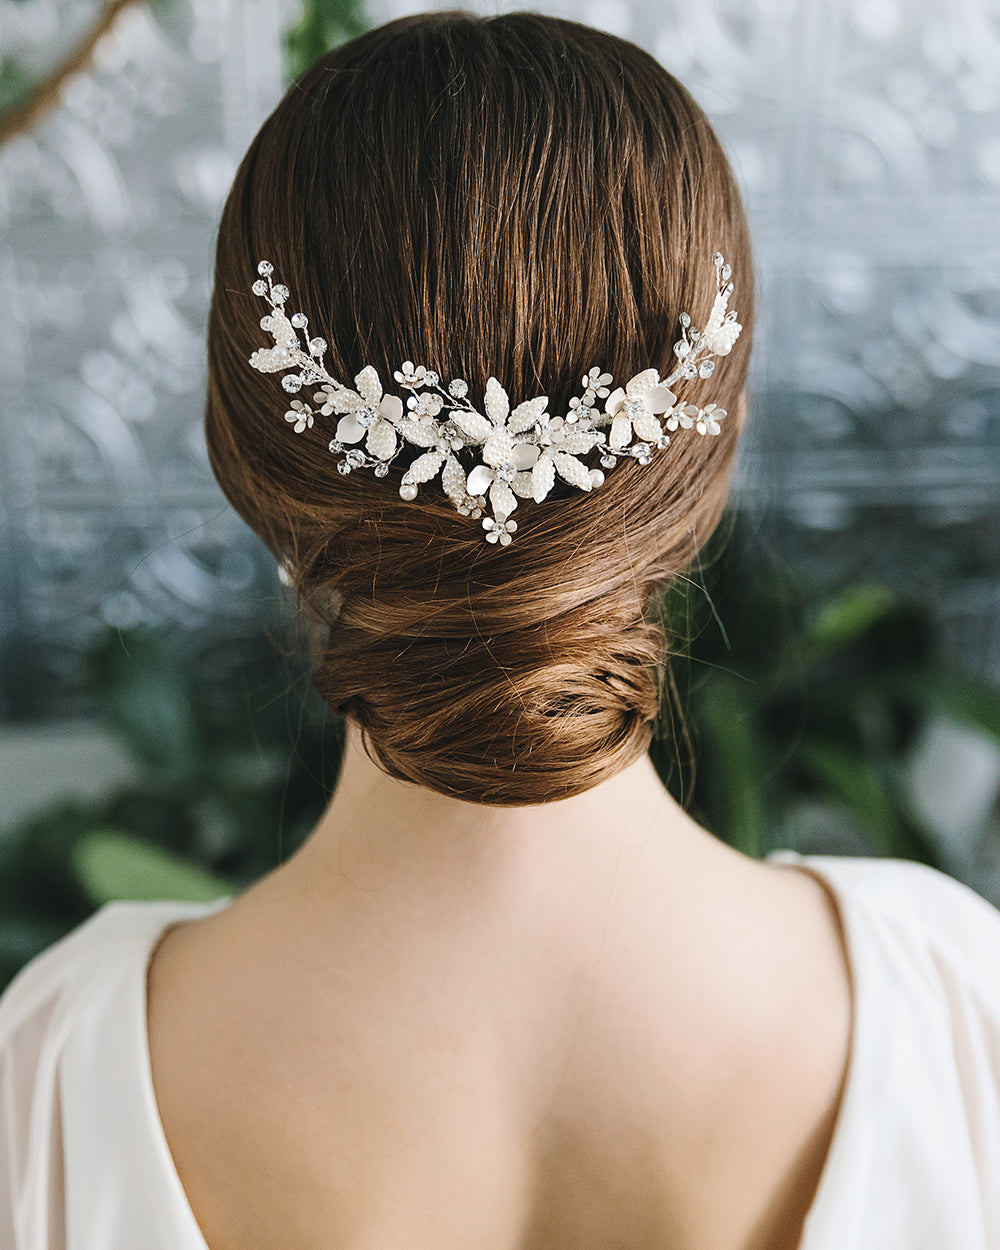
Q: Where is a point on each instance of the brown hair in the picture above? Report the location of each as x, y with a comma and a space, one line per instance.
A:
518, 196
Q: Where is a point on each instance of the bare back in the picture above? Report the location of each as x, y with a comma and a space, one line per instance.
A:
505, 1077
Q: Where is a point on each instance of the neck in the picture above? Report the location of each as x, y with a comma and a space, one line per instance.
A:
378, 830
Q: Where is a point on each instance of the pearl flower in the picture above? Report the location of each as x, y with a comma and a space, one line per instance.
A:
369, 414
634, 409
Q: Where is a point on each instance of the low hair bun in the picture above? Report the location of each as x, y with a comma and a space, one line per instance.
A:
512, 720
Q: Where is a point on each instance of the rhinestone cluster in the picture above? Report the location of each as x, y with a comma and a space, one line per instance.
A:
488, 460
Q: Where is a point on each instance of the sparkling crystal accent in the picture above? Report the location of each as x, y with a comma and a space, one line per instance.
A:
459, 388
343, 467
381, 470
706, 368
608, 462
281, 292
259, 287
317, 347
336, 447
367, 417
265, 267
505, 473
431, 378
291, 382
355, 458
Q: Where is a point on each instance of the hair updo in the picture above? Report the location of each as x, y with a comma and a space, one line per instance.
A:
518, 196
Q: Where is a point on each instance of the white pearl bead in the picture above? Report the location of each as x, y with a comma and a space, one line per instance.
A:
596, 477
408, 492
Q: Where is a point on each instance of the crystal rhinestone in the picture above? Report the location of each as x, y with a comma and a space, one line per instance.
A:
259, 287
367, 417
291, 382
265, 267
317, 347
690, 371
634, 408
640, 450
431, 378
336, 447
727, 272
310, 376
381, 470
608, 462
343, 467
681, 349
685, 320
355, 458
717, 260
458, 388
299, 321
695, 336
408, 492
505, 473
663, 441
280, 292
706, 368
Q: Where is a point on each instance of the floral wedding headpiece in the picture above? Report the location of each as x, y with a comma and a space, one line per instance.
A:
508, 454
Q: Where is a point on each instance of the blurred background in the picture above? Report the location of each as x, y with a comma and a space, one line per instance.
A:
843, 649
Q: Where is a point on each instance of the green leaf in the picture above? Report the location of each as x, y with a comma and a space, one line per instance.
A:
323, 25
15, 84
112, 865
845, 618
951, 694
734, 763
149, 700
854, 779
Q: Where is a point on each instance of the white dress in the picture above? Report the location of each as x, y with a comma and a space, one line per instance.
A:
914, 1163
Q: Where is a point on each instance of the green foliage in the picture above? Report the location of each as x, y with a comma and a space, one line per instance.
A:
226, 788
323, 25
15, 84
807, 700
111, 865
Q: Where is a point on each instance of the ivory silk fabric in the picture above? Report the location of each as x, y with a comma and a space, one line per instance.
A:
915, 1158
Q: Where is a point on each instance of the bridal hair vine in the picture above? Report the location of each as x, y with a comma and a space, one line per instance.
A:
518, 453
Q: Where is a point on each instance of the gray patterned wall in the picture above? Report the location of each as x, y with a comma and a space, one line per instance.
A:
867, 138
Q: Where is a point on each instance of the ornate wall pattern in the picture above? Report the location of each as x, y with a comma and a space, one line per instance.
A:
866, 135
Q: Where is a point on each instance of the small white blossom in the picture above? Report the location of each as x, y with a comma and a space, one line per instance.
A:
499, 531
300, 416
